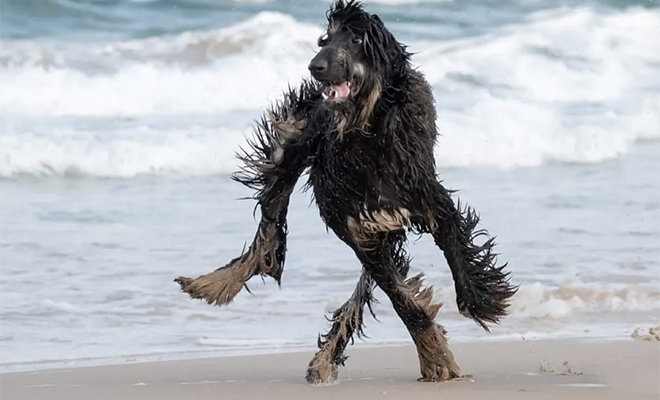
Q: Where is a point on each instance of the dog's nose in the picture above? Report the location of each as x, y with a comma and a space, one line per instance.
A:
318, 65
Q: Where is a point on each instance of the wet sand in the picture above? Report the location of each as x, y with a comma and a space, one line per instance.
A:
502, 370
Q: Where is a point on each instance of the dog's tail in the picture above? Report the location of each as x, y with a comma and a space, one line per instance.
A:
482, 288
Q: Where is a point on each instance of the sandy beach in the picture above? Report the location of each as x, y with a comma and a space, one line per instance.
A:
506, 370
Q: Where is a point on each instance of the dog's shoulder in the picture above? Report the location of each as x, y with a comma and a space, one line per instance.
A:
419, 88
411, 111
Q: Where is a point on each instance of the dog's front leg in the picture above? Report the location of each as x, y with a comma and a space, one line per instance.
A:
279, 154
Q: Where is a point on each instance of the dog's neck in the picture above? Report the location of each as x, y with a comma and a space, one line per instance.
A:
358, 115
367, 106
355, 118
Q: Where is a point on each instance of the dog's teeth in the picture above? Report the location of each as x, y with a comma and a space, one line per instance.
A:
325, 96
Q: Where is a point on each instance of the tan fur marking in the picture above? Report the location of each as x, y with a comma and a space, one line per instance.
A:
383, 220
436, 360
378, 221
321, 368
361, 123
349, 317
281, 129
341, 127
289, 130
368, 107
433, 224
222, 285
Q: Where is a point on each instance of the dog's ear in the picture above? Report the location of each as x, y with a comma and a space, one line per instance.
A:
378, 24
383, 48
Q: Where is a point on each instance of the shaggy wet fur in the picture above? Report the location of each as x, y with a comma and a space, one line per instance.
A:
372, 172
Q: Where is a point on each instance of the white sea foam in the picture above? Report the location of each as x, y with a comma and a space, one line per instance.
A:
249, 343
565, 301
565, 86
243, 66
540, 301
569, 85
120, 154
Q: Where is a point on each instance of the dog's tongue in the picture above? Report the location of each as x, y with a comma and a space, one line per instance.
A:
342, 90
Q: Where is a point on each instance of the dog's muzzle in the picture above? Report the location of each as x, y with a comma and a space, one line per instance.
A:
336, 89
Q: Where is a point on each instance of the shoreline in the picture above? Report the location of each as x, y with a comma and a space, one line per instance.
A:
215, 353
580, 369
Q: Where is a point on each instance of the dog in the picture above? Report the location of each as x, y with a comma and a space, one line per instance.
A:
364, 129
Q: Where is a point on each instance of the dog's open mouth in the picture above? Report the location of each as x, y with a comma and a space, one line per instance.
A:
337, 91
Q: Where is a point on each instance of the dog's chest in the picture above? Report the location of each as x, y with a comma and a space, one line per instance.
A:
344, 176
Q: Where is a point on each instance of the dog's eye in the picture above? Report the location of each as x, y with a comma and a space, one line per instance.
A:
323, 40
357, 40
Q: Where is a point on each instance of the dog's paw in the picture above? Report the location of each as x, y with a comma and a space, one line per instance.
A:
321, 372
218, 288
436, 360
440, 373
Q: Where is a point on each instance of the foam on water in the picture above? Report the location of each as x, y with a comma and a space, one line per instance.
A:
537, 300
188, 73
537, 313
570, 85
123, 154
546, 90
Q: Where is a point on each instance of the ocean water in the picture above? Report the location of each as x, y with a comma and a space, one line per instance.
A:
120, 121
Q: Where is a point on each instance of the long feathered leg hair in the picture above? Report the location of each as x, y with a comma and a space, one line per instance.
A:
276, 158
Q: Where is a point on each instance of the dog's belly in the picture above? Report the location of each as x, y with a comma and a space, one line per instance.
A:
353, 191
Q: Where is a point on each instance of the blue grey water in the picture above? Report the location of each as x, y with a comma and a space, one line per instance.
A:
120, 120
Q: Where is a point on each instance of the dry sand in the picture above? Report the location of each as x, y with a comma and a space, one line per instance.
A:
503, 370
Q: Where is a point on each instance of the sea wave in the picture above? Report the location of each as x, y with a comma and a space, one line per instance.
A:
120, 154
540, 301
242, 66
210, 151
568, 85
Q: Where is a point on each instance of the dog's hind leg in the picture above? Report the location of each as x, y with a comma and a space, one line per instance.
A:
411, 303
279, 156
347, 321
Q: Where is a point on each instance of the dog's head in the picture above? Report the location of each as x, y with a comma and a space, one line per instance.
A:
358, 55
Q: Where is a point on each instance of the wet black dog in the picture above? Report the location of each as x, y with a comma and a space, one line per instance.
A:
365, 128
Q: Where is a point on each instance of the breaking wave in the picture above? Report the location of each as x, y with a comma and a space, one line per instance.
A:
570, 85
